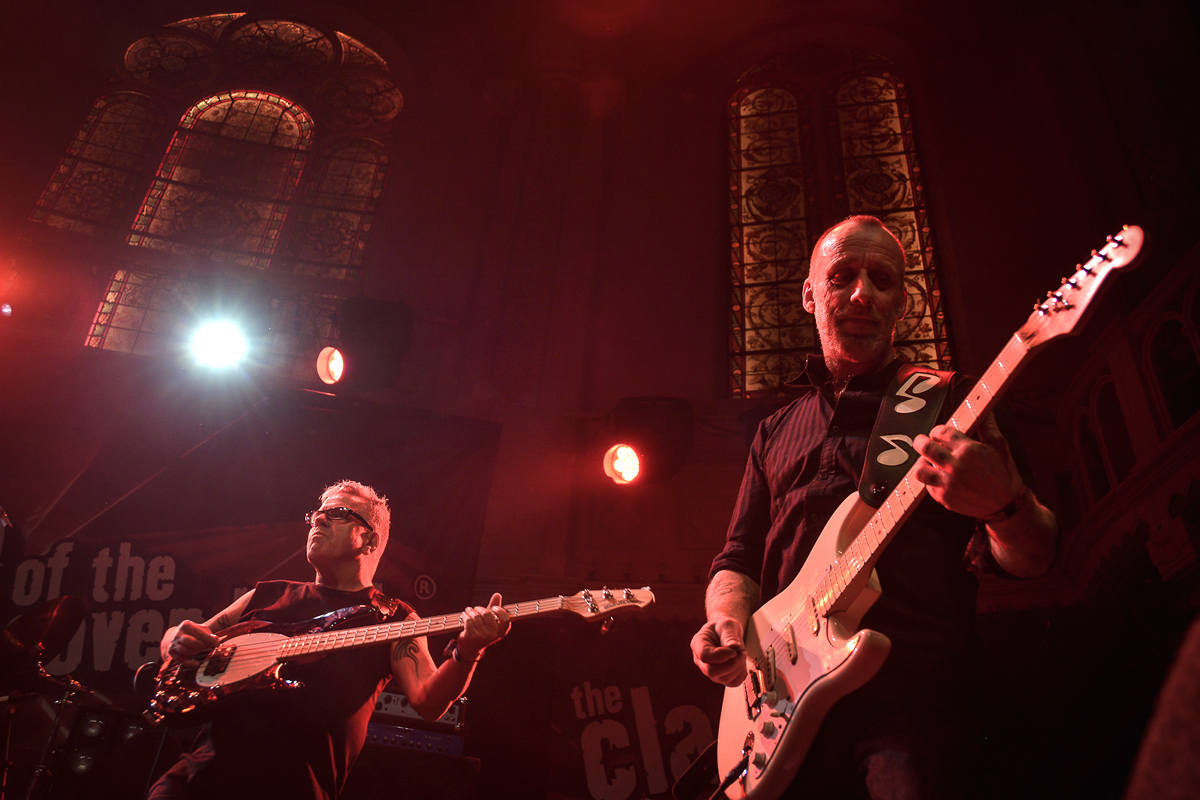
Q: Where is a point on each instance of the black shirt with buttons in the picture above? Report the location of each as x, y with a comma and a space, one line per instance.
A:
804, 461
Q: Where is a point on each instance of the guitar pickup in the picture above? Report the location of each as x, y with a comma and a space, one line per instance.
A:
789, 641
768, 669
218, 661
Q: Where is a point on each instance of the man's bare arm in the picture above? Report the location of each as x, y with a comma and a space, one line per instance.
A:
188, 638
718, 648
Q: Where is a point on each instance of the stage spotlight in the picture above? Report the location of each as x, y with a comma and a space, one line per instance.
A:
621, 463
5, 310
330, 365
219, 343
650, 438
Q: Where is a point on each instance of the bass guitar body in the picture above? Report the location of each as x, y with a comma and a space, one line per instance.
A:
244, 664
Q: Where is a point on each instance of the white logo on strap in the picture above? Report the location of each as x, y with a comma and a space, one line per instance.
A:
920, 383
897, 455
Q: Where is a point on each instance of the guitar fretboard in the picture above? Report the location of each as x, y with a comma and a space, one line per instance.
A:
326, 641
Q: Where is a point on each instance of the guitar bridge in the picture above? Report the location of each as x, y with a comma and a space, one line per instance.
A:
759, 685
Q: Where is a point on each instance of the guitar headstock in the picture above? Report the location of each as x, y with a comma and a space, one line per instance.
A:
1059, 313
603, 603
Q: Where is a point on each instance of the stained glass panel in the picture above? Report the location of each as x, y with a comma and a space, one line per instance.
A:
279, 50
770, 240
357, 54
359, 98
883, 178
340, 210
95, 184
212, 25
173, 60
226, 180
142, 311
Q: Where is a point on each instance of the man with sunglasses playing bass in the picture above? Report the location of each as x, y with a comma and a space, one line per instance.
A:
301, 743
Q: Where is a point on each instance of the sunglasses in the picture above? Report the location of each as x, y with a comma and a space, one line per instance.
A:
339, 514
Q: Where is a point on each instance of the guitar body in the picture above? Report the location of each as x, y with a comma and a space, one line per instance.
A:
245, 662
800, 663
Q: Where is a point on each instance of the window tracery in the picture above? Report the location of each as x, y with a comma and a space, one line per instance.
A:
813, 139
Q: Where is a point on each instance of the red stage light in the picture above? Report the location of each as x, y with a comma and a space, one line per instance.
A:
621, 463
330, 365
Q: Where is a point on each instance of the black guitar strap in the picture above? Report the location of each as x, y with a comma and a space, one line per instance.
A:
911, 406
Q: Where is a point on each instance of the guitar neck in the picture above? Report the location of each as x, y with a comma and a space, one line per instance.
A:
1057, 315
328, 641
883, 525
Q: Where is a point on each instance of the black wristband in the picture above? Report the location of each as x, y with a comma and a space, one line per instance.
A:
453, 651
1012, 509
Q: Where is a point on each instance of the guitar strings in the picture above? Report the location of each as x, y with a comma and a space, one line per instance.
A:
348, 638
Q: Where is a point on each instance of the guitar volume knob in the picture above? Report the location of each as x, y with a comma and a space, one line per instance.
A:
768, 729
759, 760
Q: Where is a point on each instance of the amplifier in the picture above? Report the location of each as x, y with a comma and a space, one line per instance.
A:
393, 707
399, 736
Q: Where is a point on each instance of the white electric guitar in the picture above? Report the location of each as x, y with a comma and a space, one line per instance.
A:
803, 647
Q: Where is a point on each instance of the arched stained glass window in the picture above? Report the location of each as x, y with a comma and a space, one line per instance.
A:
340, 210
226, 180
814, 138
98, 180
248, 182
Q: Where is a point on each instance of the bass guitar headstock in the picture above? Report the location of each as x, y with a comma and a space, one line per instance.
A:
603, 603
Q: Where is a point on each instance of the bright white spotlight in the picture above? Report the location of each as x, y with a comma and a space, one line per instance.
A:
621, 463
219, 344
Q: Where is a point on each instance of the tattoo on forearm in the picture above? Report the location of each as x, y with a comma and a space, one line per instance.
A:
224, 621
407, 649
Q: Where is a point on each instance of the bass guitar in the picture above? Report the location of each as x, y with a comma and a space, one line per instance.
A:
249, 656
803, 648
